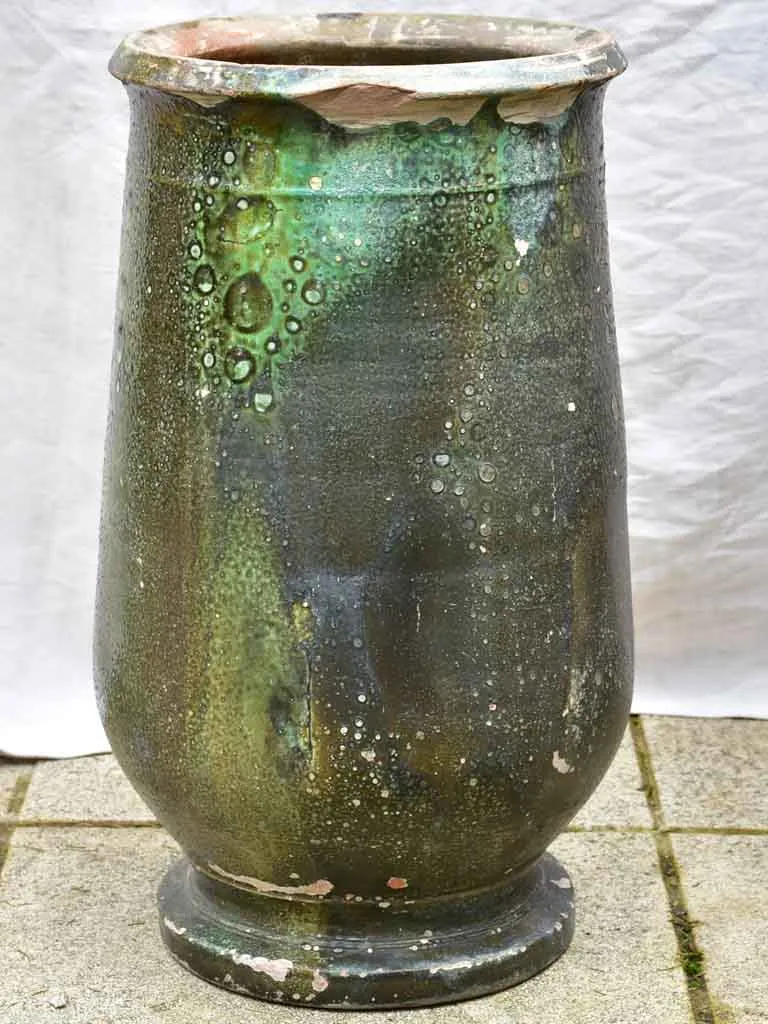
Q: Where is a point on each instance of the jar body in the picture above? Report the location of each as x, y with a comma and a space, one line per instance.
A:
363, 627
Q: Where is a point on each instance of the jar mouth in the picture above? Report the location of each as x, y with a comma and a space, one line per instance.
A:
427, 55
327, 53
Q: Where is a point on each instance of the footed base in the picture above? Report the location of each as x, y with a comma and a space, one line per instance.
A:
347, 955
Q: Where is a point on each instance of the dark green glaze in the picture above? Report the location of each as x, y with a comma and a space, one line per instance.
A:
363, 633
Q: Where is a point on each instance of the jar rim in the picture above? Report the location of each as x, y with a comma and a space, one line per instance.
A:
420, 55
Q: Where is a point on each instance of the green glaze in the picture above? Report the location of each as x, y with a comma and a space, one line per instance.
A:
363, 632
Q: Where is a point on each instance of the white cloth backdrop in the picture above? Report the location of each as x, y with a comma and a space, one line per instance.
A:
687, 151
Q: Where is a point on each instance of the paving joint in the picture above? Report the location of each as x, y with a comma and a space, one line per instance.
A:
78, 823
631, 829
10, 822
15, 804
691, 956
713, 830
145, 823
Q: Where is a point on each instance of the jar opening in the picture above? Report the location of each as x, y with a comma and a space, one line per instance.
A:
330, 55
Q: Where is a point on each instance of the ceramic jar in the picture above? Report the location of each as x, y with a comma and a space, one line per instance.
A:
363, 636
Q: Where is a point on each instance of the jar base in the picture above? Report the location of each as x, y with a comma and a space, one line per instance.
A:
370, 955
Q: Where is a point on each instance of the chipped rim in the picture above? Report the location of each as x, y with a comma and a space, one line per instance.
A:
543, 56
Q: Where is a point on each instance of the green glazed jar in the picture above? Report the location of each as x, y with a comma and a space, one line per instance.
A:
363, 635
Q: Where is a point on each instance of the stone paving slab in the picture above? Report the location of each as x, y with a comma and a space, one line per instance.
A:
79, 943
619, 800
83, 789
711, 772
727, 890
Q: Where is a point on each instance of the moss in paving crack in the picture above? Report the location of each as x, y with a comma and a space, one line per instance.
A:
690, 956
693, 965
